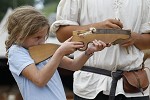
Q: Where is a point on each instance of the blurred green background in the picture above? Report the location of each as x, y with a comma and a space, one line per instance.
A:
47, 6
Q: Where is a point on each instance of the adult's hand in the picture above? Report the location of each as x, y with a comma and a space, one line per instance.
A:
109, 23
131, 41
141, 41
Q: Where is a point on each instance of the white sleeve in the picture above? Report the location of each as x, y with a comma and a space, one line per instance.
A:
67, 14
18, 59
145, 27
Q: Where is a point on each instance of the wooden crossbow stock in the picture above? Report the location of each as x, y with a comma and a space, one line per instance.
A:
113, 36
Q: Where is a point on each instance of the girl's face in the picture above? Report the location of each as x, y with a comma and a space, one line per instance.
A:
37, 38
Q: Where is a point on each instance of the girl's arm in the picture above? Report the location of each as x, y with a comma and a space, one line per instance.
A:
40, 77
77, 63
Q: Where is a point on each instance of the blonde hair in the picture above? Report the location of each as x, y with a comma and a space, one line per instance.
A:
23, 22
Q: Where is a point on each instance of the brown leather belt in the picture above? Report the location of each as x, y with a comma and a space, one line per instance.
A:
115, 76
96, 70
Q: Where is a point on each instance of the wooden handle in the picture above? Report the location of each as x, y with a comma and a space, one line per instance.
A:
117, 36
42, 52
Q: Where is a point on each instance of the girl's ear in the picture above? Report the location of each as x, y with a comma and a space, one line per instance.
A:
20, 38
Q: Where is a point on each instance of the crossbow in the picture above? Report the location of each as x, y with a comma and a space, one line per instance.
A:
113, 36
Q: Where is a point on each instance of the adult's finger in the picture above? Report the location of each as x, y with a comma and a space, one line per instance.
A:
116, 22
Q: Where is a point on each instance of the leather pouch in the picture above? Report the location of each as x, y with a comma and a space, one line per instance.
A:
135, 81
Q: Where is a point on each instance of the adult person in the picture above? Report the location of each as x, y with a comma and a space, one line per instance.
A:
121, 14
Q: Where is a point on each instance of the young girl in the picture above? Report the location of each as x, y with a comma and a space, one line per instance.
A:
28, 27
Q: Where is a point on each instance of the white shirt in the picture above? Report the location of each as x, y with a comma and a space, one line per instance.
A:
134, 14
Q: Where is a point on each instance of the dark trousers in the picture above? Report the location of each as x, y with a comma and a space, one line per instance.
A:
102, 96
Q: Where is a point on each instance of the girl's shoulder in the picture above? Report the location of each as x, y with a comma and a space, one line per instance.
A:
16, 49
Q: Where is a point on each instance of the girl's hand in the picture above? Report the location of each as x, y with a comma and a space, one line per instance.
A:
96, 45
69, 47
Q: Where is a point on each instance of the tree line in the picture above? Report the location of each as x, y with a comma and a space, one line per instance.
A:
5, 4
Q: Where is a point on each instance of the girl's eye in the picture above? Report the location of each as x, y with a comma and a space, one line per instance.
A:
37, 38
